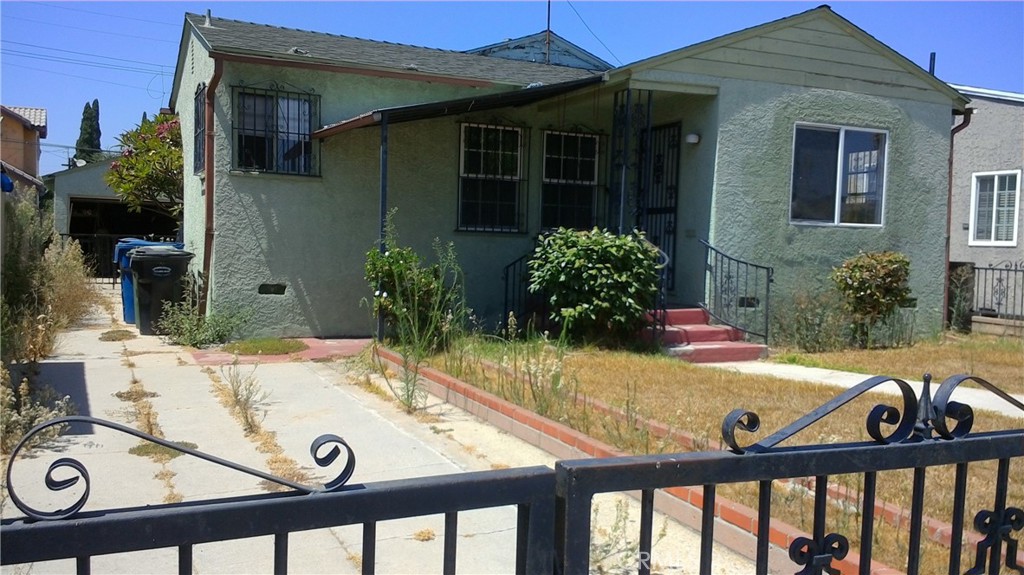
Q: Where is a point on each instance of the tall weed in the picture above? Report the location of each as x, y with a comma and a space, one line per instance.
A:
182, 323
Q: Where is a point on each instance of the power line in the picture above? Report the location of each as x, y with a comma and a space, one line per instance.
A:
63, 60
34, 69
147, 38
592, 32
81, 53
107, 15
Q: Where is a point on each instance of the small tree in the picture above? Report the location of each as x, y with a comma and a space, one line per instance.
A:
873, 284
88, 148
150, 172
601, 286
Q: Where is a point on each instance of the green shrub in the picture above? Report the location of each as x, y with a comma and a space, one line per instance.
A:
600, 285
873, 285
182, 324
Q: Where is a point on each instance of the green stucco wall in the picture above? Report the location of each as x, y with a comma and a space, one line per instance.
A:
752, 187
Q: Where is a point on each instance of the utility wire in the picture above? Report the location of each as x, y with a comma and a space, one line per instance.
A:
107, 15
63, 60
35, 69
587, 26
147, 38
75, 52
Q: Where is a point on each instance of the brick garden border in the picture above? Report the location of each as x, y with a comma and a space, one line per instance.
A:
736, 524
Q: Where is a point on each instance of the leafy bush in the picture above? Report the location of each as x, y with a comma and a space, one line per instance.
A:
600, 285
873, 284
26, 406
182, 323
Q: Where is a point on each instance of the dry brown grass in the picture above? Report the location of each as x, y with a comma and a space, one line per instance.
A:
424, 535
998, 360
696, 399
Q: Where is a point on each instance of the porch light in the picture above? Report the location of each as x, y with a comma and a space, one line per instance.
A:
692, 138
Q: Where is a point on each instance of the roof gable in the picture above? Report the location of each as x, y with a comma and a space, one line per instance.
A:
544, 45
288, 45
817, 48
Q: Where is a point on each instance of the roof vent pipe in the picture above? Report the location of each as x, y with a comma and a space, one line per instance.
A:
208, 15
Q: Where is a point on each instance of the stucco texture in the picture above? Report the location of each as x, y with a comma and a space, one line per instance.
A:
753, 175
994, 141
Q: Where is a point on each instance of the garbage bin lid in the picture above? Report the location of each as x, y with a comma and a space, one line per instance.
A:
159, 252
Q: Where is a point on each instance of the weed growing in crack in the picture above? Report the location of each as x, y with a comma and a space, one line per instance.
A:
246, 395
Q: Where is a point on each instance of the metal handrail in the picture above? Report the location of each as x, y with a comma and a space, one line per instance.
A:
737, 292
517, 288
660, 311
999, 290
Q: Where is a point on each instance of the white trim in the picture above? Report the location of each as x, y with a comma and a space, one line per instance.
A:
987, 93
519, 153
836, 214
974, 201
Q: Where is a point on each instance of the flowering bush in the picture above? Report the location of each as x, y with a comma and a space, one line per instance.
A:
150, 170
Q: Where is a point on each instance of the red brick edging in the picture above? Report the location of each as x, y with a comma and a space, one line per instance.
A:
547, 435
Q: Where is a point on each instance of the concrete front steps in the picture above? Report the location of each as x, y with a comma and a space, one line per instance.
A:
690, 337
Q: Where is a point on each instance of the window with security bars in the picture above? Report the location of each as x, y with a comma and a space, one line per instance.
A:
199, 134
490, 182
994, 208
570, 180
273, 131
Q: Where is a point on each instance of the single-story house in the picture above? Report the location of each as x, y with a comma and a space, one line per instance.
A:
793, 144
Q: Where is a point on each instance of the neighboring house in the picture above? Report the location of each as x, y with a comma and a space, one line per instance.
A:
21, 129
87, 209
546, 48
986, 217
793, 144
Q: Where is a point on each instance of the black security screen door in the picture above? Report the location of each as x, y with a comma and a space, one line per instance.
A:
660, 192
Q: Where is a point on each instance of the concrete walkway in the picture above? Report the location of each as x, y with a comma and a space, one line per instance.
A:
144, 382
977, 398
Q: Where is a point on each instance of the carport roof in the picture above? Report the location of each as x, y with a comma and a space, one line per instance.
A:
429, 110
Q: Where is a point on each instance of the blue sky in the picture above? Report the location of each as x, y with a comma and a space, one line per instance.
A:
60, 55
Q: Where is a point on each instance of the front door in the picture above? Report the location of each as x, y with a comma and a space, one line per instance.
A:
660, 191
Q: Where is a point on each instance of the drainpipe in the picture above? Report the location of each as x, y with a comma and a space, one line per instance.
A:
949, 210
383, 201
208, 153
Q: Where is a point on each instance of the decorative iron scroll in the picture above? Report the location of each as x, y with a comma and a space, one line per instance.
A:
53, 484
817, 556
916, 421
995, 529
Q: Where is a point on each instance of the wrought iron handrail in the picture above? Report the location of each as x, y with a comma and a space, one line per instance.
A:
660, 311
737, 292
999, 290
516, 287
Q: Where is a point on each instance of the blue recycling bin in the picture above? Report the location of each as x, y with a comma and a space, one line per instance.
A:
123, 262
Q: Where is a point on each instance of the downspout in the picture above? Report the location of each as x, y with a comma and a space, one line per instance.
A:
383, 202
949, 210
208, 156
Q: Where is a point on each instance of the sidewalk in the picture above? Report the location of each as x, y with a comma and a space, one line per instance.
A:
308, 396
976, 397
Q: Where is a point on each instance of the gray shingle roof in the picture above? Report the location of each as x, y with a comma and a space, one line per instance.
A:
233, 36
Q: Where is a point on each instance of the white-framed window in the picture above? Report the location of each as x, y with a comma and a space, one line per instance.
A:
995, 203
491, 182
838, 175
273, 131
570, 180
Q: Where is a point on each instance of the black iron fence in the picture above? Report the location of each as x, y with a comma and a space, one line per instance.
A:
553, 526
999, 290
737, 292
